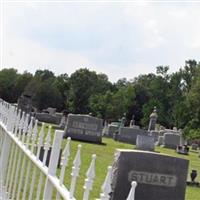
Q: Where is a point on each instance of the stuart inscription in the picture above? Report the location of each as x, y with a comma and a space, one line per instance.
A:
152, 178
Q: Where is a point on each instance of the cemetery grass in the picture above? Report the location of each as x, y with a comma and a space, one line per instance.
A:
105, 155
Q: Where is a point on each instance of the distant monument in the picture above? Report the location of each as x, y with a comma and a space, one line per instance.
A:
132, 122
63, 121
25, 102
123, 120
153, 119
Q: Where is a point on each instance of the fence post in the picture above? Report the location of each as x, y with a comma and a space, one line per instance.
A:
53, 163
4, 158
131, 195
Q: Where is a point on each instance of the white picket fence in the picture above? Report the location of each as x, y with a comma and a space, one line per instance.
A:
20, 164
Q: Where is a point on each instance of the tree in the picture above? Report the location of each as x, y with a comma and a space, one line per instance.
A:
83, 85
47, 95
21, 82
8, 79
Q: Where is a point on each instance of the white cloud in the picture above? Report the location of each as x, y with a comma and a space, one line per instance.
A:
26, 54
119, 40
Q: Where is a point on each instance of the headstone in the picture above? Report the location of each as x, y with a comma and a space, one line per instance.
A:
153, 119
194, 146
51, 111
63, 120
171, 140
129, 135
145, 142
158, 176
25, 103
105, 131
182, 140
45, 117
111, 130
160, 140
155, 134
84, 127
135, 127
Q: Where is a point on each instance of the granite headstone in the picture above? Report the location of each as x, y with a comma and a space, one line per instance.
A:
158, 176
155, 134
194, 146
25, 103
171, 140
84, 128
129, 135
160, 140
111, 130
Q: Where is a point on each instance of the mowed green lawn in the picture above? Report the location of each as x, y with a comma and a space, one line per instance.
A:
105, 155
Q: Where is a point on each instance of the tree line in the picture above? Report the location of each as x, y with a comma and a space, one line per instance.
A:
176, 95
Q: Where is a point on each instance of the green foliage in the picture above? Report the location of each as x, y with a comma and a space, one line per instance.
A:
8, 78
176, 95
83, 85
47, 95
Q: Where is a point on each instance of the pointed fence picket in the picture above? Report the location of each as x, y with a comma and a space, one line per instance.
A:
22, 172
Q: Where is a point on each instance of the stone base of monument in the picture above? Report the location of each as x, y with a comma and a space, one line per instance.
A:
129, 135
84, 137
155, 134
145, 142
158, 176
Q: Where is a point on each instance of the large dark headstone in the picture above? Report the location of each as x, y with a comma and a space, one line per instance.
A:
84, 127
25, 103
158, 176
129, 135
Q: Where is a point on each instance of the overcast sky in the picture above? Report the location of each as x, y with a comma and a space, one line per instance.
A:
118, 39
